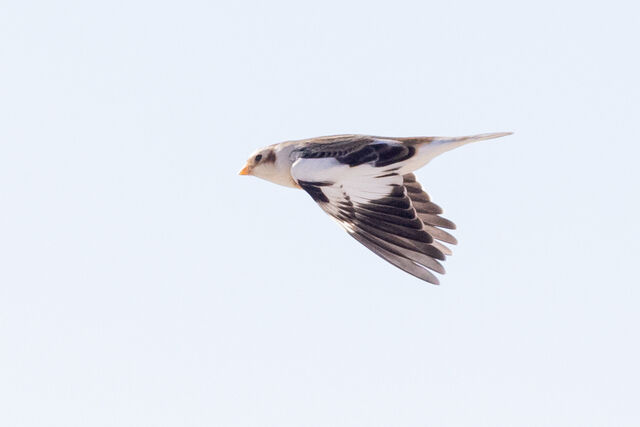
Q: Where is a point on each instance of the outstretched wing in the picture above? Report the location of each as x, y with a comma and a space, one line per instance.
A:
359, 185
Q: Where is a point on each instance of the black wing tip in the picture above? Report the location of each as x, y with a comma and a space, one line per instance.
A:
431, 280
398, 260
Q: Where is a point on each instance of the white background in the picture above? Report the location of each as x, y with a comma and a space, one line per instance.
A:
144, 283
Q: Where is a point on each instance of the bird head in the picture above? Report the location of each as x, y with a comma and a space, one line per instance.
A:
272, 163
261, 163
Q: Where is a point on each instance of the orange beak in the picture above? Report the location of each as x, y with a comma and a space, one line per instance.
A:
244, 171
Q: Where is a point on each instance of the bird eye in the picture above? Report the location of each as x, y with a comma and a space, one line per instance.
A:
258, 157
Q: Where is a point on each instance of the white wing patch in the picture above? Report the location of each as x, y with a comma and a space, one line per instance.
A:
374, 205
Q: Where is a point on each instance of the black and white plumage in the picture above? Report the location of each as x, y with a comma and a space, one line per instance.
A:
366, 184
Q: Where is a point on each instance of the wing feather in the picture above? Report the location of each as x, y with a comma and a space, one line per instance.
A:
399, 261
386, 212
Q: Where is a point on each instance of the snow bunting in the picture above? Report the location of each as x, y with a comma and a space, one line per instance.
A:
367, 185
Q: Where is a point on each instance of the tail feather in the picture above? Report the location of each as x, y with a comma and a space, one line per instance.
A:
449, 139
430, 147
471, 138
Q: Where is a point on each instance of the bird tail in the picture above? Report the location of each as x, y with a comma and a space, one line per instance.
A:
458, 140
431, 147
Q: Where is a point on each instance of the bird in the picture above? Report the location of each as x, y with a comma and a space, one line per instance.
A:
367, 184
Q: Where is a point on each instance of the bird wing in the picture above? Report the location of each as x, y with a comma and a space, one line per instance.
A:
358, 184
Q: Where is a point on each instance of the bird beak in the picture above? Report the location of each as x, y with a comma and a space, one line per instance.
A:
244, 171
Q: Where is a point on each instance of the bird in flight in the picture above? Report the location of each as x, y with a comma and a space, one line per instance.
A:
366, 183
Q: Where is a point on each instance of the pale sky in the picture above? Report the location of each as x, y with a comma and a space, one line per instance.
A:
144, 283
